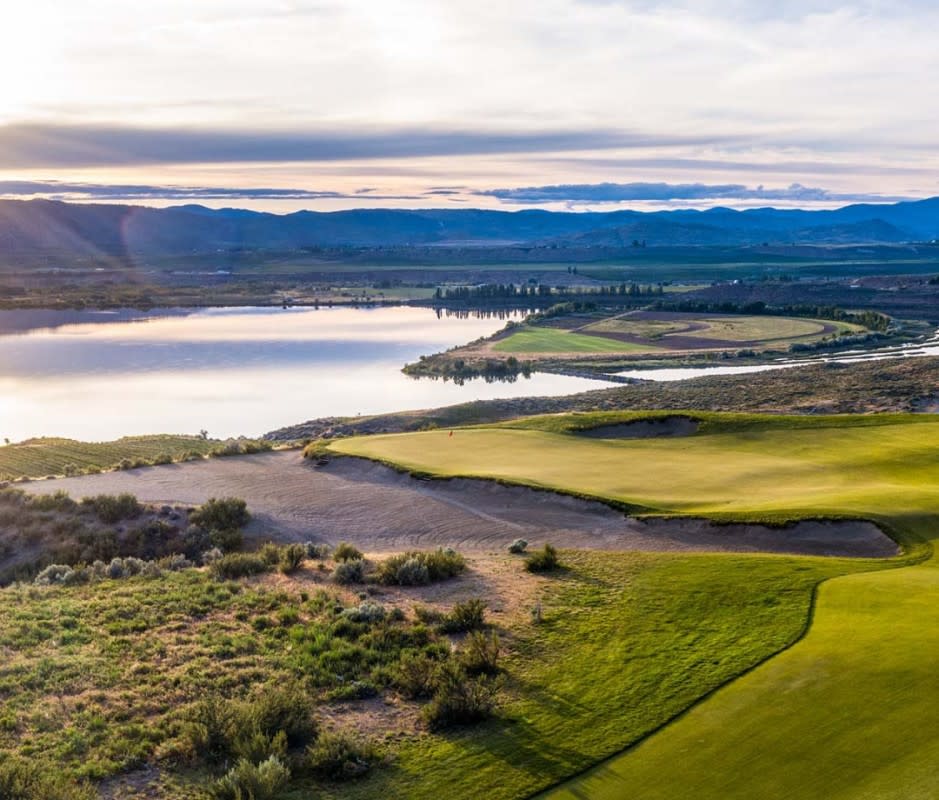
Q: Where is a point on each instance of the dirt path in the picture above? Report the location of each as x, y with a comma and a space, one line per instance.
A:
379, 509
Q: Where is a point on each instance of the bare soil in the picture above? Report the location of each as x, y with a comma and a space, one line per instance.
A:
381, 510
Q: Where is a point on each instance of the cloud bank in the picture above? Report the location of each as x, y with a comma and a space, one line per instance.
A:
590, 193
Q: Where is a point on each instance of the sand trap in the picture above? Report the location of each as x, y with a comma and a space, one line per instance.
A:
644, 429
379, 509
809, 537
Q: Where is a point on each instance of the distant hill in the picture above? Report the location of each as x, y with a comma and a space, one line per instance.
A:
46, 228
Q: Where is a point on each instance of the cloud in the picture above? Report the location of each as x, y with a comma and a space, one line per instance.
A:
73, 146
96, 191
584, 193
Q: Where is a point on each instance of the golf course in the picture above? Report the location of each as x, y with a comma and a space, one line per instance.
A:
846, 711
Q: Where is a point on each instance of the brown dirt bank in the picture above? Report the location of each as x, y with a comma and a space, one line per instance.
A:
379, 509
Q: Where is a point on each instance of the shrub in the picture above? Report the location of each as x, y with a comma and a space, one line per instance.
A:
410, 572
480, 654
208, 728
277, 708
225, 514
341, 755
210, 556
175, 562
237, 565
416, 675
162, 458
228, 541
247, 781
317, 551
368, 612
518, 546
543, 560
466, 616
416, 568
347, 572
114, 508
54, 574
291, 558
269, 554
458, 698
34, 780
275, 717
58, 501
346, 552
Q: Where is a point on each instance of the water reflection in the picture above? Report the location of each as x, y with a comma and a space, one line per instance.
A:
231, 371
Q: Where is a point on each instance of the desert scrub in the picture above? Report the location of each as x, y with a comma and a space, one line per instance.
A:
347, 572
340, 755
112, 508
459, 699
221, 514
291, 558
274, 718
346, 552
419, 567
34, 780
248, 781
544, 560
238, 565
479, 654
469, 615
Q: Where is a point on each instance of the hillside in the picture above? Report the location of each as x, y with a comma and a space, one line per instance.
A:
122, 233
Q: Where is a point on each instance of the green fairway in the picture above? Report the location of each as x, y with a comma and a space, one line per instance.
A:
846, 713
554, 340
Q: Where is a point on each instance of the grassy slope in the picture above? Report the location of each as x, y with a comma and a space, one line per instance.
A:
628, 641
36, 458
553, 340
851, 704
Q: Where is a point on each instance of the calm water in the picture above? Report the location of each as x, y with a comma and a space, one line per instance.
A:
928, 348
232, 371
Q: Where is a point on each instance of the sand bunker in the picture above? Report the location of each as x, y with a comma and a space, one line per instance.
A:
644, 429
379, 509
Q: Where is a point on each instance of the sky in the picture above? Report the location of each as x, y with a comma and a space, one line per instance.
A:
563, 104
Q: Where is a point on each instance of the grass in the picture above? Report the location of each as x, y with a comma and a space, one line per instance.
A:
627, 641
554, 340
846, 712
755, 466
761, 329
36, 458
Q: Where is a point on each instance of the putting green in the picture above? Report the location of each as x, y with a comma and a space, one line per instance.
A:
849, 711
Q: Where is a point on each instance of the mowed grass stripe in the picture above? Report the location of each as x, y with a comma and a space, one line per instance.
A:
847, 713
554, 340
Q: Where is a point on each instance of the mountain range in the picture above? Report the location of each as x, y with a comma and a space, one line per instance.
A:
55, 229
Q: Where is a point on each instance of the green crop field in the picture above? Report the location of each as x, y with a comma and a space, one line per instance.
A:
554, 340
848, 712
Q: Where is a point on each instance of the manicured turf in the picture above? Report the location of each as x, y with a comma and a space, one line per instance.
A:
627, 641
846, 713
554, 340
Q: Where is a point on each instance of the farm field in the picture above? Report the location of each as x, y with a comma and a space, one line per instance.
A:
852, 702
